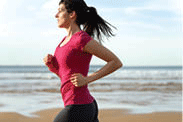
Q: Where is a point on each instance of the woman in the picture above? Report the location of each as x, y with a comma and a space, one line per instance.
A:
72, 57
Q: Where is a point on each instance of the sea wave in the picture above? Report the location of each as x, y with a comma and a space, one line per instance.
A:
49, 76
169, 87
111, 78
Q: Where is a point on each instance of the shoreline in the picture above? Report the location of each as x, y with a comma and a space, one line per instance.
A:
105, 115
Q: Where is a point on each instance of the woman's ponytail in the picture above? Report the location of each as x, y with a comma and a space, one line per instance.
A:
96, 26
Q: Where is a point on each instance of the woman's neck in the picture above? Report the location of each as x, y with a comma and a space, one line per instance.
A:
72, 29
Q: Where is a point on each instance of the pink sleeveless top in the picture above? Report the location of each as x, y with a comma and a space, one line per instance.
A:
69, 59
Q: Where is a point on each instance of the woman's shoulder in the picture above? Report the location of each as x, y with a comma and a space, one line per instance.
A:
83, 33
82, 38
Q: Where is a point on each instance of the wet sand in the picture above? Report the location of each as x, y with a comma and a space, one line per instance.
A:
104, 116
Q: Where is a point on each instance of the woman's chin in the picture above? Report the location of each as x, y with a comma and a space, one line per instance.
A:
63, 25
60, 26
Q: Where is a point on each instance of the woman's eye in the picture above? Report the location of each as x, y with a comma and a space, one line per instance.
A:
61, 10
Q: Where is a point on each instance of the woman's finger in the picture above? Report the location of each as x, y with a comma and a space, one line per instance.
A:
72, 78
75, 74
72, 81
50, 56
75, 84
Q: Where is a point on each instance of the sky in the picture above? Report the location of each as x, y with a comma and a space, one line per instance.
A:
149, 32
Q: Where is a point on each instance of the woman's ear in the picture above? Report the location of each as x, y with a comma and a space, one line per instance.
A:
72, 14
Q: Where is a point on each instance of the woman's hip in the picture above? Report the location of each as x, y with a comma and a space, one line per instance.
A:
79, 113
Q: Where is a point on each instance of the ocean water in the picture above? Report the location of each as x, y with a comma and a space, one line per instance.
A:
26, 89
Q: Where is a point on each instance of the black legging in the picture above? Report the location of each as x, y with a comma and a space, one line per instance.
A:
79, 113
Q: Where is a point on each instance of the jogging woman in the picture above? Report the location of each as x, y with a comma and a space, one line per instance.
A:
72, 57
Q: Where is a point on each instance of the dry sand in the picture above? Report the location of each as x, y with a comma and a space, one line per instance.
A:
104, 116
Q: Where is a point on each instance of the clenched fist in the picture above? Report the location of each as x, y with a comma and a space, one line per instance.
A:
47, 59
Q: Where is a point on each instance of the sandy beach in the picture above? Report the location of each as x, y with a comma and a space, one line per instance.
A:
109, 115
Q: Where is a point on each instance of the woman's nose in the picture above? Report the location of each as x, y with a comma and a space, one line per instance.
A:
56, 16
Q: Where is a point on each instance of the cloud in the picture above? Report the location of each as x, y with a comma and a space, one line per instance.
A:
151, 16
164, 4
52, 32
16, 27
153, 5
4, 30
131, 26
31, 8
2, 5
10, 29
48, 9
181, 8
50, 5
137, 10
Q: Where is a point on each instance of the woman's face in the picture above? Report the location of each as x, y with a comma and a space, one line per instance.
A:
63, 17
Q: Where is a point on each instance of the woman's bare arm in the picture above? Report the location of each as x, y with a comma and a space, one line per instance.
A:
113, 62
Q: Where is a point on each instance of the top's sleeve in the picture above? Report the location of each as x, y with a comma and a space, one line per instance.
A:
85, 38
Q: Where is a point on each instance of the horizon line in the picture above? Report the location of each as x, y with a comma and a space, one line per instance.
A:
104, 64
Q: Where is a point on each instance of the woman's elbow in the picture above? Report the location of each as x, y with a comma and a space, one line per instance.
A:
118, 64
